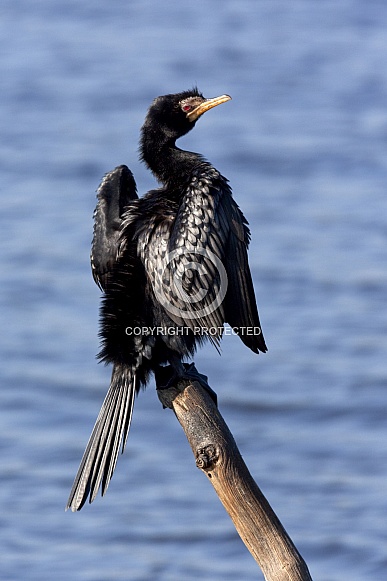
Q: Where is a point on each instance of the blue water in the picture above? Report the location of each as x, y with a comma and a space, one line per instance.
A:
304, 144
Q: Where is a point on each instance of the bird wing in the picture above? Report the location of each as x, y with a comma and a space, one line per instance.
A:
200, 268
180, 248
191, 280
116, 191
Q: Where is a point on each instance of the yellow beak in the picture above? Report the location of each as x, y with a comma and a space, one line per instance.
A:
206, 105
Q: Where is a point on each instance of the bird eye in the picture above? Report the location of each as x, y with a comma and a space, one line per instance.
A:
186, 107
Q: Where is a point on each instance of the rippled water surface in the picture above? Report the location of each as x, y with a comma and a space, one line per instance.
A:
304, 144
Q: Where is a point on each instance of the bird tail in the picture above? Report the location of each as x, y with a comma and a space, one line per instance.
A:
109, 433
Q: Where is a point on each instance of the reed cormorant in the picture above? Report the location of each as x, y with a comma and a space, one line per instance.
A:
173, 269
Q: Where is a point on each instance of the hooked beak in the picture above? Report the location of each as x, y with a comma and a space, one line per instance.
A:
205, 106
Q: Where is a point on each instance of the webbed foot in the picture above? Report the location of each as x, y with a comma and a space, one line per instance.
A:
168, 377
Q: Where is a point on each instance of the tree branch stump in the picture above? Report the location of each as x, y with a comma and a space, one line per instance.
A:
217, 455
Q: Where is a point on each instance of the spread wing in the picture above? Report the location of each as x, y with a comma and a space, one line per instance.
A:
200, 271
116, 191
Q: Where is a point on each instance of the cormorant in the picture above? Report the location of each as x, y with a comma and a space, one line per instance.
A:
173, 269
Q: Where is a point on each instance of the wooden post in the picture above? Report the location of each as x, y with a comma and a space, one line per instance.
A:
217, 455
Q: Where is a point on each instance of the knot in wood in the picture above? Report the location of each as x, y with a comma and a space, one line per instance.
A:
206, 457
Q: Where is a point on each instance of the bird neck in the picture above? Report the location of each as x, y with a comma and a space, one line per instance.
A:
170, 165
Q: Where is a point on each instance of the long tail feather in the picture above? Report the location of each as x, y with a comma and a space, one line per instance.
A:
109, 433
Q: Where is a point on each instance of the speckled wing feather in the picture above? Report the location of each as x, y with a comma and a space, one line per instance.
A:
211, 232
181, 254
197, 260
116, 191
199, 239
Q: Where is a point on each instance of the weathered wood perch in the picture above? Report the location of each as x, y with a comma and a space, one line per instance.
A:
217, 455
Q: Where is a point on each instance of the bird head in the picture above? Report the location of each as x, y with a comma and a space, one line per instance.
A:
177, 114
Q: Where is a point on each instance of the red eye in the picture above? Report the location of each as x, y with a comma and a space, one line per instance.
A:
187, 107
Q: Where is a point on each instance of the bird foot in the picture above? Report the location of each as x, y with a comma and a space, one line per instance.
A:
167, 378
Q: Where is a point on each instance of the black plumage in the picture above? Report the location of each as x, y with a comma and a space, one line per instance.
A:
173, 267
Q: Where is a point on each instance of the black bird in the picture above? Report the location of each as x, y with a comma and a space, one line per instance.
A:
173, 267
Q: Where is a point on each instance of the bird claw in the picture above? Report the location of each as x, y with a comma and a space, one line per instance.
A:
167, 377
